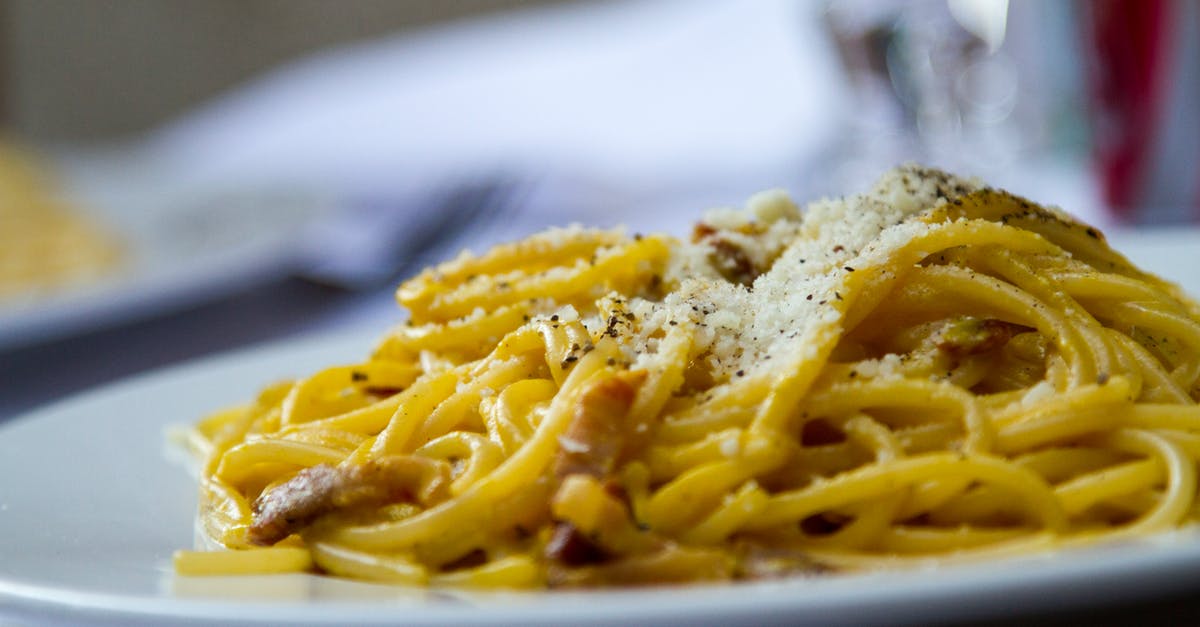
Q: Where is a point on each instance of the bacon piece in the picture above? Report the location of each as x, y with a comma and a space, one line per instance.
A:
593, 440
732, 262
296, 503
729, 259
570, 547
971, 336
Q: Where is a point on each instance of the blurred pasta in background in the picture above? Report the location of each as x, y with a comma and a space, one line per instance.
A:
45, 244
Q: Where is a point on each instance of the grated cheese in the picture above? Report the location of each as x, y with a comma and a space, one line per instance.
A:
798, 298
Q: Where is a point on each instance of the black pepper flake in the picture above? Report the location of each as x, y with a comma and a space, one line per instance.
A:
848, 268
554, 318
853, 373
741, 373
525, 317
839, 248
822, 302
809, 297
1102, 378
358, 376
611, 361
672, 323
637, 237
837, 295
611, 329
1092, 233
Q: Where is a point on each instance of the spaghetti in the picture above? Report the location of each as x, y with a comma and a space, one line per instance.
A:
934, 371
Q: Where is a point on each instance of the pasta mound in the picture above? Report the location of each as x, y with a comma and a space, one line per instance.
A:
932, 371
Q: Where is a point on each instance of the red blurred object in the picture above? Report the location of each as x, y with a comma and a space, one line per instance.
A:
1143, 59
1128, 42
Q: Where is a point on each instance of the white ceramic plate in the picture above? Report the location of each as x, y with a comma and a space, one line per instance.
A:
92, 505
1169, 252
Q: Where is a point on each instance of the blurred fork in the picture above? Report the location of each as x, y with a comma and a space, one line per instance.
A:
371, 244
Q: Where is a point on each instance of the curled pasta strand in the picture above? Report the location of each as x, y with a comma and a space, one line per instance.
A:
875, 480
518, 469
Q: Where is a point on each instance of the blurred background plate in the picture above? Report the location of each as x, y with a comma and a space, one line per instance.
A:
176, 248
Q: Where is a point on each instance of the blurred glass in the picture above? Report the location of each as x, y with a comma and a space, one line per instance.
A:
1143, 62
971, 85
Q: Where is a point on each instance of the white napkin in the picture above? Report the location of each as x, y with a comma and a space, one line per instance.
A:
648, 95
